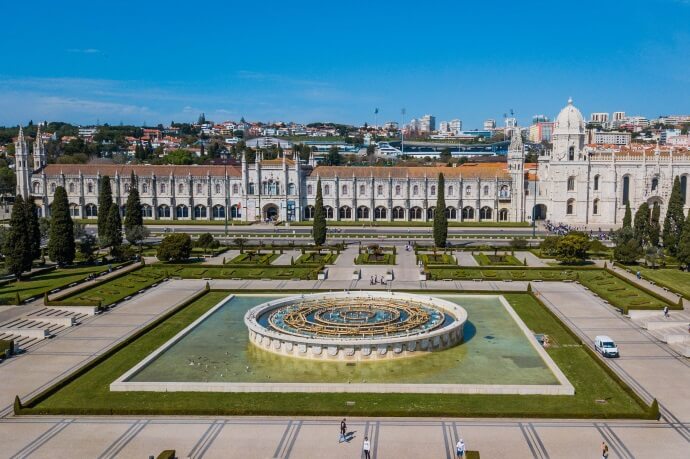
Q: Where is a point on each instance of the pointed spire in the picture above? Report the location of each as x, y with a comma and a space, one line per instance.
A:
21, 134
570, 101
516, 140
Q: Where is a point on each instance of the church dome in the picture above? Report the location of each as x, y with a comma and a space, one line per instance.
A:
569, 121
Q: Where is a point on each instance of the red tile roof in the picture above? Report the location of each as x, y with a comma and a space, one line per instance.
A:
124, 170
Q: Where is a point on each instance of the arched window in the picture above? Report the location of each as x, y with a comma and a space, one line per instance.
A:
362, 213
126, 188
503, 215
309, 212
146, 211
486, 190
451, 213
683, 188
328, 212
380, 213
596, 182
235, 211
291, 189
310, 190
180, 188
595, 207
327, 190
504, 192
379, 190
90, 210
571, 183
182, 211
251, 188
571, 154
71, 187
468, 213
485, 213
235, 189
145, 188
416, 213
433, 190
398, 189
570, 207
163, 211
200, 211
343, 189
398, 213
655, 183
74, 210
217, 188
468, 190
345, 213
626, 189
430, 213
362, 190
218, 211
451, 190
415, 190
199, 188
52, 187
37, 187
89, 187
162, 187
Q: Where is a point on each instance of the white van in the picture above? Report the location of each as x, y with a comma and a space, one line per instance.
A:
606, 346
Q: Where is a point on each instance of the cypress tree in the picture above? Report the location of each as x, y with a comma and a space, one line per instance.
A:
683, 252
673, 223
641, 229
61, 246
17, 248
319, 226
33, 228
627, 219
105, 200
133, 215
654, 227
113, 229
440, 219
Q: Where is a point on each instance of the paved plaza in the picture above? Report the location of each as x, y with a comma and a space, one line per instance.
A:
652, 368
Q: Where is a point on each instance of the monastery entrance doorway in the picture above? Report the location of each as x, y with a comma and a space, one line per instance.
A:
271, 213
539, 212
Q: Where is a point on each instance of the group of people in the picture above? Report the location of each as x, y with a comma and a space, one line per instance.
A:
366, 445
376, 280
562, 229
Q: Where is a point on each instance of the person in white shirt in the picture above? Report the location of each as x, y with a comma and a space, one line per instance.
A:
460, 448
367, 448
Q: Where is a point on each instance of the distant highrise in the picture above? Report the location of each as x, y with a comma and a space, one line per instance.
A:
455, 126
489, 124
427, 123
618, 116
539, 119
601, 118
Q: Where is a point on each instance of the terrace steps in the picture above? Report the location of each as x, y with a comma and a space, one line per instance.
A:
38, 325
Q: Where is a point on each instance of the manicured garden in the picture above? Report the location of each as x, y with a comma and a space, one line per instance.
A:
251, 257
41, 283
619, 292
436, 259
598, 393
375, 259
673, 279
496, 259
321, 258
502, 273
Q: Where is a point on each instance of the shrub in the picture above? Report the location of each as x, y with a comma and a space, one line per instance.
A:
167, 454
518, 243
17, 407
175, 247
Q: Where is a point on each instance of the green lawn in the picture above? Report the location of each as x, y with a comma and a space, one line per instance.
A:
367, 223
502, 273
673, 279
37, 285
620, 293
89, 393
323, 258
371, 259
436, 259
490, 259
254, 258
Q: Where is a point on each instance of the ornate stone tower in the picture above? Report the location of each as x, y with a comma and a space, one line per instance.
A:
40, 159
516, 163
21, 156
569, 135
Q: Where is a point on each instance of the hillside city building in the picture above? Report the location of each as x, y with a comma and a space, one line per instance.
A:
573, 183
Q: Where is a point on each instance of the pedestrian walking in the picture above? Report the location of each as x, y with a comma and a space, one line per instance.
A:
460, 449
343, 430
666, 311
366, 447
604, 450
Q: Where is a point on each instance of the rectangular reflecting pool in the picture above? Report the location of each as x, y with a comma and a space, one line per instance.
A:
497, 351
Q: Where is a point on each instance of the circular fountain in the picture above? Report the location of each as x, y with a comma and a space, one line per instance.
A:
355, 325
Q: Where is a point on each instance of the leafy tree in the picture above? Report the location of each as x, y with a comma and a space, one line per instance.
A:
572, 248
137, 234
440, 219
113, 229
642, 224
654, 226
61, 243
627, 218
105, 200
445, 155
334, 158
628, 249
133, 215
673, 223
319, 225
87, 246
17, 249
206, 241
175, 247
683, 251
549, 246
33, 228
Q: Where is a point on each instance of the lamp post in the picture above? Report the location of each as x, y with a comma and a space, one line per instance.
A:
402, 132
226, 197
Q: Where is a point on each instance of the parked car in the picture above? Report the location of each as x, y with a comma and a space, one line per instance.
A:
606, 346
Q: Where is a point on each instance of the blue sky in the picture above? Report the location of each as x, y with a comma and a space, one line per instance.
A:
157, 61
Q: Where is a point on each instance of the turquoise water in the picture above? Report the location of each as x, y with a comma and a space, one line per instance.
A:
495, 351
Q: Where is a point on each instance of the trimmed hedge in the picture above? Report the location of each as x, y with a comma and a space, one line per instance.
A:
167, 454
671, 305
6, 345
